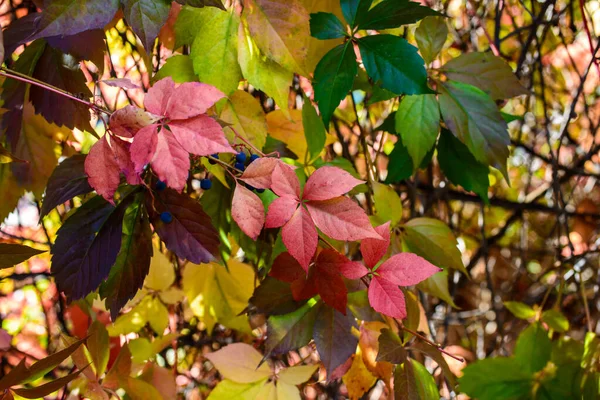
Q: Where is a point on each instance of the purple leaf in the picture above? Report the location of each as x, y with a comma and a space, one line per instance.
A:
67, 181
86, 247
13, 254
333, 337
87, 45
190, 234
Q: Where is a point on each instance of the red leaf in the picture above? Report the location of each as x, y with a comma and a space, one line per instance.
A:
285, 182
126, 121
104, 164
387, 298
143, 147
247, 211
259, 172
406, 269
185, 101
171, 162
329, 182
286, 268
300, 237
201, 135
373, 250
280, 211
305, 288
331, 260
331, 287
341, 219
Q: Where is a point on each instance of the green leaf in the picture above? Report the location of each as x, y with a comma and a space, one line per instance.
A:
13, 254
473, 117
533, 348
203, 3
214, 50
400, 166
380, 94
358, 303
391, 348
412, 381
146, 18
314, 131
98, 346
394, 62
291, 331
461, 167
273, 297
486, 71
556, 320
133, 261
391, 14
229, 390
68, 17
334, 76
245, 114
333, 337
499, 378
437, 285
185, 26
520, 310
418, 123
433, 240
179, 68
431, 35
591, 350
388, 205
325, 25
263, 73
355, 11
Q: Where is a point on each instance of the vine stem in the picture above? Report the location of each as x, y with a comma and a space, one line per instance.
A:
32, 81
254, 148
436, 345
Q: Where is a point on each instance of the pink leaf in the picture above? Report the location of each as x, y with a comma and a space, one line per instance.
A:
387, 298
286, 268
300, 237
285, 182
143, 147
187, 100
123, 156
406, 269
201, 135
247, 211
259, 172
170, 162
329, 182
331, 260
126, 121
102, 169
374, 249
341, 219
123, 83
280, 211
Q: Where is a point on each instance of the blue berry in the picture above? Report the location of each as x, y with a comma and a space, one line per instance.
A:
205, 184
250, 187
160, 186
166, 217
240, 157
260, 190
240, 166
213, 161
254, 157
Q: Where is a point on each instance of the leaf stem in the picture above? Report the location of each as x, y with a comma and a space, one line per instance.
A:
225, 166
32, 81
254, 148
436, 345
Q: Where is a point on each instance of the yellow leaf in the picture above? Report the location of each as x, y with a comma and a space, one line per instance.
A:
285, 391
98, 346
281, 30
291, 131
216, 170
138, 389
298, 374
263, 73
268, 392
162, 274
131, 321
247, 117
11, 191
218, 295
239, 362
157, 315
388, 205
369, 347
171, 296
358, 379
229, 390
318, 48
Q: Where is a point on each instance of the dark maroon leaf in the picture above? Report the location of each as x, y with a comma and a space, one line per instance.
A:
47, 388
62, 71
87, 246
133, 262
391, 348
87, 45
13, 254
69, 17
333, 337
146, 18
190, 234
19, 32
67, 181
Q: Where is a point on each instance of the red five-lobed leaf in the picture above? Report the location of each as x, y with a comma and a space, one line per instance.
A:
387, 298
406, 269
329, 182
247, 211
259, 173
373, 250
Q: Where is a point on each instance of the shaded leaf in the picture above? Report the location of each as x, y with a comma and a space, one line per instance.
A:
98, 346
67, 181
47, 388
325, 25
391, 14
333, 337
400, 166
355, 11
391, 348
291, 331
146, 18
431, 35
13, 254
202, 3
